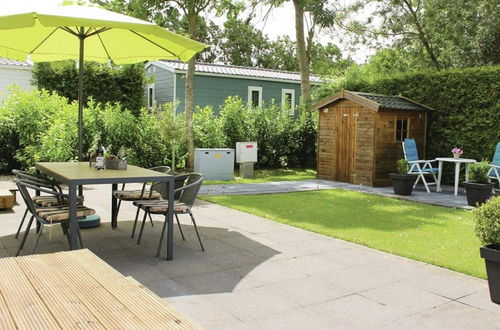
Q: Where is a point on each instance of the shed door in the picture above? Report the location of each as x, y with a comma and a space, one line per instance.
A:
345, 148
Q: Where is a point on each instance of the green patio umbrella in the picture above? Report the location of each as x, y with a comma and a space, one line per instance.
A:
87, 32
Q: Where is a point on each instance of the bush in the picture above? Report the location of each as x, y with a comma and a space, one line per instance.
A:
478, 172
103, 83
402, 166
207, 128
487, 218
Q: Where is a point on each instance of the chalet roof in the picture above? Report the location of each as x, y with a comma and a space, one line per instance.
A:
6, 61
374, 101
240, 71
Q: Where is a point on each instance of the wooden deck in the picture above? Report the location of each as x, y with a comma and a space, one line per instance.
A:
77, 290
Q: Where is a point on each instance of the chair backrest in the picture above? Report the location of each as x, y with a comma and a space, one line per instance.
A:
191, 189
160, 186
23, 189
410, 150
496, 156
37, 180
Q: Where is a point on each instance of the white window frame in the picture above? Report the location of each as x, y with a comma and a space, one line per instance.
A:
151, 103
253, 89
292, 103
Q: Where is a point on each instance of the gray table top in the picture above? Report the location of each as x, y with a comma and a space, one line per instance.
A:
81, 173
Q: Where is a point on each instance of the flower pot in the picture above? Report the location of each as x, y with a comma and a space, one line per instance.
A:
403, 183
491, 255
115, 164
455, 155
478, 193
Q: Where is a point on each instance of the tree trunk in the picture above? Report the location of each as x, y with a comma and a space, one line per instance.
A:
188, 104
304, 61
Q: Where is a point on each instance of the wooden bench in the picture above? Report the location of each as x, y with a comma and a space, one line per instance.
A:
7, 199
76, 289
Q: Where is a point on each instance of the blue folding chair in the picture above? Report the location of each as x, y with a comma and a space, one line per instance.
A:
494, 173
417, 165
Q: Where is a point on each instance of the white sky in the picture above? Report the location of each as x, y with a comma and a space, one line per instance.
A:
281, 21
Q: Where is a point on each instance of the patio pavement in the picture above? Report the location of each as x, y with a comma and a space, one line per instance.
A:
259, 274
445, 198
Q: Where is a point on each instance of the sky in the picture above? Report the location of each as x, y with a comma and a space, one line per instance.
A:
280, 21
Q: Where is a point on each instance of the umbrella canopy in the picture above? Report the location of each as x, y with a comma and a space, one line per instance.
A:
87, 32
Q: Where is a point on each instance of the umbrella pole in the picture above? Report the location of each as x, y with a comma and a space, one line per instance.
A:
80, 97
80, 103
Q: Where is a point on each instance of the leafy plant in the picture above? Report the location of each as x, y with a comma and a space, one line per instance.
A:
478, 172
487, 218
402, 166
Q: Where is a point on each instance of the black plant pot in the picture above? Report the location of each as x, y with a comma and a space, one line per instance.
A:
478, 193
491, 255
402, 183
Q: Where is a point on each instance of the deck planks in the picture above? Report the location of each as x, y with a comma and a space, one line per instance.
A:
77, 290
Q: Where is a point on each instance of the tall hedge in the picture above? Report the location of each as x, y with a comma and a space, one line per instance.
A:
103, 83
467, 104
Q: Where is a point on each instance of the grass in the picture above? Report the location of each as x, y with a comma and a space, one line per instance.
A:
271, 175
432, 234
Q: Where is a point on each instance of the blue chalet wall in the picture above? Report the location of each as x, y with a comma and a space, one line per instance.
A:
212, 89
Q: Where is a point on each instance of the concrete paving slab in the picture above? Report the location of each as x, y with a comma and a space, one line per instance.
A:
258, 274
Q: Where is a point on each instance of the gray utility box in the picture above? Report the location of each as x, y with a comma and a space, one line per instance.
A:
214, 164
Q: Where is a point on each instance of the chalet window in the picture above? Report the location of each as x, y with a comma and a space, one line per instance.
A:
151, 96
402, 128
288, 100
254, 96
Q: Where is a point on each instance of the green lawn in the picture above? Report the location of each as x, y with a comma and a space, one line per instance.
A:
436, 235
271, 175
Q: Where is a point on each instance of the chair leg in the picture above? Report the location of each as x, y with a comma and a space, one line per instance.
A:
80, 238
180, 228
135, 221
151, 219
25, 235
425, 183
65, 227
37, 238
196, 229
21, 224
162, 237
142, 226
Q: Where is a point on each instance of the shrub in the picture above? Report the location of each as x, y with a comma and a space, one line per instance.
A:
478, 172
103, 83
207, 128
402, 166
487, 218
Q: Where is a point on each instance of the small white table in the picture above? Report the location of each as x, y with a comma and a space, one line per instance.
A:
458, 162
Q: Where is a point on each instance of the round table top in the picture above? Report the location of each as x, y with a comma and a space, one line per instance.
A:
456, 160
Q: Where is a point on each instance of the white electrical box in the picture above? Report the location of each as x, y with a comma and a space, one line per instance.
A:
246, 152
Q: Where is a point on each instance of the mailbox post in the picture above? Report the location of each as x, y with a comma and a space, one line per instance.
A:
246, 157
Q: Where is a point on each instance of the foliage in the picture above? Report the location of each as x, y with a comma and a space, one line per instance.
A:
478, 172
123, 84
441, 34
487, 218
41, 126
402, 166
436, 235
466, 103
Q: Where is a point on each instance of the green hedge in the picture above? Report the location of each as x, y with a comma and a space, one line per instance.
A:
103, 83
467, 104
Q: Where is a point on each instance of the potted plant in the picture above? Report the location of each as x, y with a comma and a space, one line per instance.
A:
487, 218
478, 189
402, 182
457, 152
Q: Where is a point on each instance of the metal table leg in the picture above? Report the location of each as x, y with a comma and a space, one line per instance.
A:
170, 219
440, 174
73, 221
114, 207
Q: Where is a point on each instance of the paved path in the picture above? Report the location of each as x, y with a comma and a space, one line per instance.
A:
444, 198
259, 274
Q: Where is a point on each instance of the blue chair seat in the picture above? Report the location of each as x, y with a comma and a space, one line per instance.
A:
433, 170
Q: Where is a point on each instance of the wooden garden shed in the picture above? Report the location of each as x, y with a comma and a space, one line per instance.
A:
360, 134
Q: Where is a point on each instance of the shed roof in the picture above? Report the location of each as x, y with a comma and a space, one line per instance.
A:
374, 101
9, 62
239, 71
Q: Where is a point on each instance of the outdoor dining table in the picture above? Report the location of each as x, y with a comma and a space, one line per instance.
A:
75, 174
458, 162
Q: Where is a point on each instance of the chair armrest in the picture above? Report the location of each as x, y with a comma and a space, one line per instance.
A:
419, 161
495, 166
45, 190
